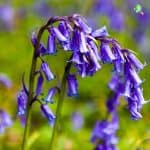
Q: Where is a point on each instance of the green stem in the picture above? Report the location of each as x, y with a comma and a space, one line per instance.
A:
31, 89
59, 107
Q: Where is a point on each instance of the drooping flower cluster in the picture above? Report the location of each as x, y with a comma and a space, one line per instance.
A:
5, 121
89, 49
103, 134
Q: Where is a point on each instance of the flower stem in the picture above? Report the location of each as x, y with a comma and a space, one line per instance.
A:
59, 106
31, 89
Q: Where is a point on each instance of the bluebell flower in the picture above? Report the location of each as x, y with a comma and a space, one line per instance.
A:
132, 75
48, 114
112, 103
6, 17
93, 47
22, 102
64, 29
135, 62
42, 50
100, 32
47, 72
39, 84
106, 53
77, 120
133, 108
104, 132
5, 121
83, 43
56, 32
51, 45
80, 22
76, 39
72, 85
49, 97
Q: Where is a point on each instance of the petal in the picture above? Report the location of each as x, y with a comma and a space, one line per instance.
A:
100, 32
83, 47
72, 85
137, 64
51, 47
80, 22
106, 53
58, 34
39, 85
76, 40
46, 70
48, 114
50, 95
22, 102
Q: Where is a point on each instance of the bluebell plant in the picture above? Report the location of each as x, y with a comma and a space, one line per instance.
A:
89, 49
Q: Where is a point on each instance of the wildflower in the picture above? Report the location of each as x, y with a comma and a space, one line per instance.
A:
5, 121
104, 131
77, 120
50, 95
47, 72
72, 85
106, 53
80, 22
39, 85
100, 32
64, 29
55, 32
76, 39
22, 102
51, 47
48, 114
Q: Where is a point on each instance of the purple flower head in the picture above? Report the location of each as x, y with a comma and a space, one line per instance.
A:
42, 50
133, 108
94, 48
48, 114
5, 121
39, 84
22, 102
77, 58
47, 72
112, 103
106, 53
64, 29
76, 39
77, 120
100, 32
4, 80
72, 85
83, 43
57, 33
135, 62
50, 95
51, 45
6, 17
81, 23
105, 131
94, 60
105, 147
